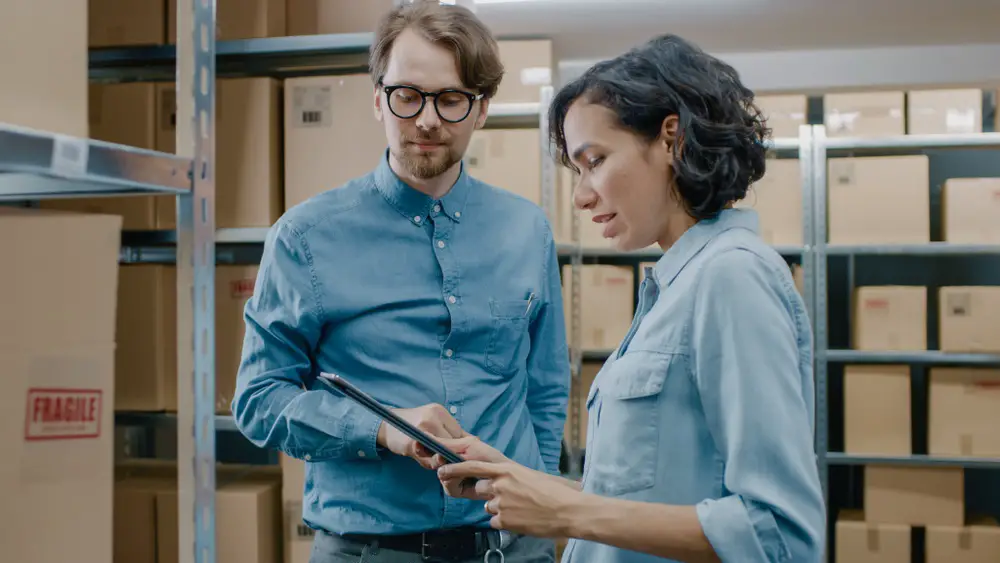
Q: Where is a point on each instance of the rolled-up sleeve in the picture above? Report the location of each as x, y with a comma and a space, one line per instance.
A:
548, 366
748, 368
271, 405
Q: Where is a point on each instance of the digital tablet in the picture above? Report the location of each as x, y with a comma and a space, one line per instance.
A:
383, 412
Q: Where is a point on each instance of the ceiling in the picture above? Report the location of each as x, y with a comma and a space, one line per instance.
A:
593, 29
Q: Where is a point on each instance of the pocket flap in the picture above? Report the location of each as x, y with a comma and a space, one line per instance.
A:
636, 375
510, 308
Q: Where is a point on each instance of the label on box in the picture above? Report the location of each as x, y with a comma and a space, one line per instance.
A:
62, 414
961, 121
311, 106
877, 304
241, 289
958, 304
842, 172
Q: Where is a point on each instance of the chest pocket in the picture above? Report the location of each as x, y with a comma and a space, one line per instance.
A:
623, 452
509, 328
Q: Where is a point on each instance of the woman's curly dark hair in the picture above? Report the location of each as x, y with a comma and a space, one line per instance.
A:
720, 149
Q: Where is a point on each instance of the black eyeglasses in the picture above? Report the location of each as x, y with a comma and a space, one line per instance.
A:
406, 102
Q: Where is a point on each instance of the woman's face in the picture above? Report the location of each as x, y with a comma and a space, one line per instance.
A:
623, 179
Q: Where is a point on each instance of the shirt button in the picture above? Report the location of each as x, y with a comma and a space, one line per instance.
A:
448, 353
416, 218
308, 457
453, 409
458, 214
451, 299
437, 208
361, 453
440, 244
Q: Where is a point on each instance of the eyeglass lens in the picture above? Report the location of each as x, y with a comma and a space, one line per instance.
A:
406, 102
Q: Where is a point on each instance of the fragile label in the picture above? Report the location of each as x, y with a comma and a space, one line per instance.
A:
241, 288
63, 414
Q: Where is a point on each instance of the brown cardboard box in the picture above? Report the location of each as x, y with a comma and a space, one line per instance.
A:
970, 210
238, 19
858, 541
588, 372
877, 410
799, 278
135, 518
57, 351
123, 114
967, 318
890, 317
527, 67
248, 177
509, 159
113, 23
318, 155
312, 17
777, 198
861, 189
147, 370
962, 415
784, 113
864, 114
918, 496
247, 522
977, 543
958, 111
607, 304
298, 537
44, 65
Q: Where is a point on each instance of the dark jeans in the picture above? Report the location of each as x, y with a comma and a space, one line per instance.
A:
330, 548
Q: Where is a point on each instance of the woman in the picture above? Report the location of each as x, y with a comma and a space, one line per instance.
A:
700, 440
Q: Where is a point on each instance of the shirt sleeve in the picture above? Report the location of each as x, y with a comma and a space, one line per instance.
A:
271, 405
548, 366
758, 405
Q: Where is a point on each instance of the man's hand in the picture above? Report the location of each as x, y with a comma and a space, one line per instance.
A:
432, 419
470, 448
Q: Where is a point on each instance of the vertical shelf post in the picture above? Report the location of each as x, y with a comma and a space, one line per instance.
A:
196, 282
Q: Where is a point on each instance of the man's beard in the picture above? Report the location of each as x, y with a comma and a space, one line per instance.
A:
425, 165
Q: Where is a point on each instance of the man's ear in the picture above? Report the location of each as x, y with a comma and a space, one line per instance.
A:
484, 109
377, 107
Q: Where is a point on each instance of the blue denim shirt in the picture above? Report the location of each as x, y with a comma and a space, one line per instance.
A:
708, 401
455, 301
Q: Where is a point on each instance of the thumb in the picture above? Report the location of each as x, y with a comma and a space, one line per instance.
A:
475, 469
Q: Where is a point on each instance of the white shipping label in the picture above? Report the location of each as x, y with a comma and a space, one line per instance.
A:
536, 76
311, 106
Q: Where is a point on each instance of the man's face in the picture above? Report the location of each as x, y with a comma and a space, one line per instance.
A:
425, 145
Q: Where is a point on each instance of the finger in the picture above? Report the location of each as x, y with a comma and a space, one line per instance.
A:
484, 488
452, 428
481, 469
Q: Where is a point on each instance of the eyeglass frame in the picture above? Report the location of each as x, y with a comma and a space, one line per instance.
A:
389, 89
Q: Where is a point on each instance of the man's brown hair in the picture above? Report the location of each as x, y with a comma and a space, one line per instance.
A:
453, 27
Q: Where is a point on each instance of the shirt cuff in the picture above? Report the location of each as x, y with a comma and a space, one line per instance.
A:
741, 532
360, 432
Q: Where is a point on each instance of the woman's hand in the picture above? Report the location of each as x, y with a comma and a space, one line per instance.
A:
470, 448
521, 500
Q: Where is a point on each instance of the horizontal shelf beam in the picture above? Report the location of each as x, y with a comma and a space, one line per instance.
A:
223, 423
927, 249
857, 146
929, 357
650, 254
40, 165
839, 458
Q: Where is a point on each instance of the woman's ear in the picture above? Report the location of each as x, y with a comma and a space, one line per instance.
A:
668, 131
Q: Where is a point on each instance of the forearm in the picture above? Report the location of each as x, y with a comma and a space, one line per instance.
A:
671, 532
566, 482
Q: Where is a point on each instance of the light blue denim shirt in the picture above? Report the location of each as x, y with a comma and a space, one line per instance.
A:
708, 401
455, 301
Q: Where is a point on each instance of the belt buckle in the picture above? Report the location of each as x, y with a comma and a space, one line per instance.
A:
423, 547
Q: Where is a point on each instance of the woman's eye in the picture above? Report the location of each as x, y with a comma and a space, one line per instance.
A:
592, 163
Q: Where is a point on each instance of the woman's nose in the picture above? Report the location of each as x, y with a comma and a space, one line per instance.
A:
584, 197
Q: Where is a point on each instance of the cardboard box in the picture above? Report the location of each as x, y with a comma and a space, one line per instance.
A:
116, 23
799, 278
977, 543
777, 198
57, 346
864, 114
958, 111
135, 518
967, 319
238, 19
588, 372
861, 189
918, 496
963, 413
124, 114
784, 113
877, 410
890, 317
248, 174
44, 67
509, 159
858, 541
527, 67
298, 537
607, 298
312, 17
970, 207
318, 155
147, 356
247, 522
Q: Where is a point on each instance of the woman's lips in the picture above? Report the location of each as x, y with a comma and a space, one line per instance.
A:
605, 219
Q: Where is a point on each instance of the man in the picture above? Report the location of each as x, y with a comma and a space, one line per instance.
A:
436, 293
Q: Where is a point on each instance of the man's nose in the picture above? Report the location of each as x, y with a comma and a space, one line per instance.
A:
428, 117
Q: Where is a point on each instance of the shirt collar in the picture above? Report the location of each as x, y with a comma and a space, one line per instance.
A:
417, 206
697, 237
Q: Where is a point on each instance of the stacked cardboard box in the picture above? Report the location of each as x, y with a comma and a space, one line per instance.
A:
57, 346
785, 114
298, 537
777, 198
970, 210
588, 372
121, 23
607, 297
238, 19
955, 111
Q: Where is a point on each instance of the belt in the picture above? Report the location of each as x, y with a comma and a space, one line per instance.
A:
455, 544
